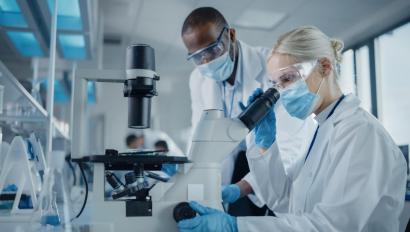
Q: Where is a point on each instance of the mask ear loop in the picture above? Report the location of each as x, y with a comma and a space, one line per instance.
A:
321, 82
233, 47
320, 86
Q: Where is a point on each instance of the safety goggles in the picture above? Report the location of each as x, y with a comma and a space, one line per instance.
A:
285, 77
210, 52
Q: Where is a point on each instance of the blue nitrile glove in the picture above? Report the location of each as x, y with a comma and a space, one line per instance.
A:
265, 130
170, 169
208, 220
230, 193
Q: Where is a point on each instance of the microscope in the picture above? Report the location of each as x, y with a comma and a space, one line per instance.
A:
134, 205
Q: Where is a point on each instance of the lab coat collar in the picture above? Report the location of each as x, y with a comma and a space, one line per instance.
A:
322, 116
347, 107
249, 54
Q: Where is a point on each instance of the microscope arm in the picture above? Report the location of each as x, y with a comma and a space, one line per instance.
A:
225, 133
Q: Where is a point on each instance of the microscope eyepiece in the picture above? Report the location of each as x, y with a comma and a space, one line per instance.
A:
258, 109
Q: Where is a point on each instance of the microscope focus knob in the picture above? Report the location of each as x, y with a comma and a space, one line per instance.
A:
183, 211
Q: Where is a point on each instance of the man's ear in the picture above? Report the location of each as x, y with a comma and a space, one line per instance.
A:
325, 68
232, 34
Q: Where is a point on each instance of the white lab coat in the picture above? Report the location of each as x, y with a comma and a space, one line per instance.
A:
353, 180
207, 94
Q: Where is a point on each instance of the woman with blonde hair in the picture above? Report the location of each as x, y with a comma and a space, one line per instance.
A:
352, 177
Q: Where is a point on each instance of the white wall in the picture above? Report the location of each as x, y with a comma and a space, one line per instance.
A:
174, 106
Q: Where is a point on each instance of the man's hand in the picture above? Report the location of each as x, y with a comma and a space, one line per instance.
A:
230, 193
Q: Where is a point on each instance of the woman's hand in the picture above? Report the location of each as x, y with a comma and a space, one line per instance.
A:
265, 130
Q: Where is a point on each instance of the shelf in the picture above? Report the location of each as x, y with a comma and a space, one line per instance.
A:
22, 111
8, 118
13, 92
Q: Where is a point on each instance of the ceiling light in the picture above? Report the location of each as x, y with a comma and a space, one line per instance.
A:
25, 42
259, 19
10, 14
73, 46
68, 13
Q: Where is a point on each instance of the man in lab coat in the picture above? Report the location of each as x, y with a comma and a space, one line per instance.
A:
227, 71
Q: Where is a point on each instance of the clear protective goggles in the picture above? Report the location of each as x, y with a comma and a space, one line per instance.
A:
211, 52
283, 78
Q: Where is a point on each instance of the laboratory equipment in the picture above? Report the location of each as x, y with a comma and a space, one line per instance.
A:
37, 149
156, 207
47, 212
20, 178
139, 86
50, 215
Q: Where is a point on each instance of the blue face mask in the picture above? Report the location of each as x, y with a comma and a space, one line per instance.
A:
218, 69
299, 101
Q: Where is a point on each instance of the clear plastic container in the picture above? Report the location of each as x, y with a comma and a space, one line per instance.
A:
50, 215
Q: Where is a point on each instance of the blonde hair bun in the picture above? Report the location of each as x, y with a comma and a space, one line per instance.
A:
307, 43
337, 46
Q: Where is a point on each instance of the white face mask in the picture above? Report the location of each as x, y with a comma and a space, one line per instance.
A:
299, 101
220, 68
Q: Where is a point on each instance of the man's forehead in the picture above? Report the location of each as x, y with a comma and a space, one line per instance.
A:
202, 34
